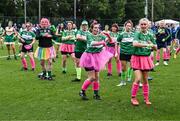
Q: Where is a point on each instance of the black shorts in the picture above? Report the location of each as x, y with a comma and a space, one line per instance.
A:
66, 53
25, 50
169, 42
90, 69
142, 70
125, 57
78, 54
161, 45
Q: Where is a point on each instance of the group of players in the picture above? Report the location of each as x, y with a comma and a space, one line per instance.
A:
93, 50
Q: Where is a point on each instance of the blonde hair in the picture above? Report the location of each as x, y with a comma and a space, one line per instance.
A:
10, 22
28, 23
144, 19
128, 21
162, 23
71, 22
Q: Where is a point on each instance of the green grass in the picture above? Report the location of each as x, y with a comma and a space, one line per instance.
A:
24, 97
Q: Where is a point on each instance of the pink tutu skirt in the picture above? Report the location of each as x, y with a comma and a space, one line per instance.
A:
143, 63
97, 61
112, 50
67, 48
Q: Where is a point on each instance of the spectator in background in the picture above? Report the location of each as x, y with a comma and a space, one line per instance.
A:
23, 28
68, 44
162, 35
10, 34
177, 37
1, 36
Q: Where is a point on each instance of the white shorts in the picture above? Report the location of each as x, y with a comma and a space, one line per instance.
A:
9, 43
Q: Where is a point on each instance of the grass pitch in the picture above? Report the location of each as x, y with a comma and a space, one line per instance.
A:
25, 97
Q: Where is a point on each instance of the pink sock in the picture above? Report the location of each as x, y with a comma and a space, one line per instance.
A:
177, 50
110, 68
32, 62
86, 84
164, 55
145, 89
24, 62
168, 53
95, 85
118, 66
134, 90
158, 55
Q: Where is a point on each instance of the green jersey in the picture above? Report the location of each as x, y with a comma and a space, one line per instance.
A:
69, 33
28, 36
53, 28
9, 34
126, 39
80, 45
59, 38
94, 38
145, 39
114, 37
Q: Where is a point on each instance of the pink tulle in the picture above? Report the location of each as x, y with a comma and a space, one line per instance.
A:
95, 60
111, 50
67, 48
141, 62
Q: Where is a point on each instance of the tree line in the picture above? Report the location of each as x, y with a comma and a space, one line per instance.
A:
106, 10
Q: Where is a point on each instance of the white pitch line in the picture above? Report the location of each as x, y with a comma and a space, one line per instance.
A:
6, 56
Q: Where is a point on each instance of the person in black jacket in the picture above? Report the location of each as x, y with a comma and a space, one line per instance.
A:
162, 35
45, 51
177, 37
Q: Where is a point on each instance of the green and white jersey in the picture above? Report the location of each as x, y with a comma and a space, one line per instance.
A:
75, 30
126, 39
114, 37
22, 29
94, 38
53, 28
9, 31
80, 45
144, 38
69, 33
28, 36
1, 31
9, 34
59, 38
